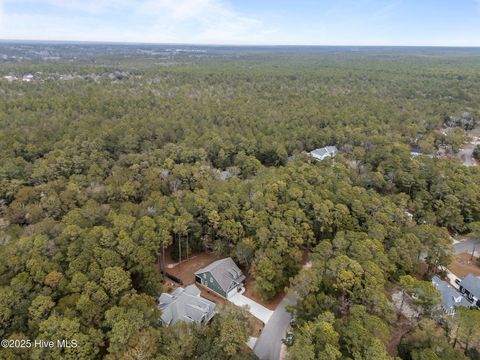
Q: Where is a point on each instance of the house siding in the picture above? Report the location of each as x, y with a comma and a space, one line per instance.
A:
209, 281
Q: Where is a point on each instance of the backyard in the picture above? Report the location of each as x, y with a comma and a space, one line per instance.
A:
186, 269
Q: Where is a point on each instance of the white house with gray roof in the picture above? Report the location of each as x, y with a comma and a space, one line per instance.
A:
323, 153
185, 304
223, 277
451, 298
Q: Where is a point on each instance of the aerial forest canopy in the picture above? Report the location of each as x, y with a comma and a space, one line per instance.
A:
109, 155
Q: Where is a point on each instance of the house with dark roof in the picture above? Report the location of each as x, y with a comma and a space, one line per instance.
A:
451, 298
323, 153
223, 277
470, 288
186, 305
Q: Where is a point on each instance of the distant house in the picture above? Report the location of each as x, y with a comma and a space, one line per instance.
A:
27, 77
222, 276
185, 304
470, 287
415, 152
10, 78
323, 153
451, 298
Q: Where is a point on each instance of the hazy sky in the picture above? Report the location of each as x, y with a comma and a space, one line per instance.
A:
315, 22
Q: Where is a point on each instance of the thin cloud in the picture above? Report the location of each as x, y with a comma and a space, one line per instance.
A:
2, 14
206, 21
213, 20
80, 6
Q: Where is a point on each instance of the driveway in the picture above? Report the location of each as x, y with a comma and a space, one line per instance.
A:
466, 154
452, 278
467, 246
254, 308
270, 341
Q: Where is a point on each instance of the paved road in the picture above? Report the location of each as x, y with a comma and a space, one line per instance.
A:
466, 246
270, 341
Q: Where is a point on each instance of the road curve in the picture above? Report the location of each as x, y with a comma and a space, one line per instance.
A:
467, 246
270, 341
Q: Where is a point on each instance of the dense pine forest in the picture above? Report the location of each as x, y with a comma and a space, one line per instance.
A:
110, 155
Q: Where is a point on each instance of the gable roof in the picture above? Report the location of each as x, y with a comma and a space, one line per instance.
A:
225, 272
451, 298
322, 153
185, 305
472, 284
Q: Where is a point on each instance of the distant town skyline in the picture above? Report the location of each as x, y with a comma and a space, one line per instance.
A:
246, 22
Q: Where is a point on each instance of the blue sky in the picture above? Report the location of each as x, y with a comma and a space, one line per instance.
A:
301, 22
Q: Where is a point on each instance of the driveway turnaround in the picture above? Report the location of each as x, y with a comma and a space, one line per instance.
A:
270, 341
467, 246
254, 308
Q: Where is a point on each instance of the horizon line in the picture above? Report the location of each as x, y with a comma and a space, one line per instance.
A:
113, 42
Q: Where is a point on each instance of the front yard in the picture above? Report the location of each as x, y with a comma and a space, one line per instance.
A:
463, 264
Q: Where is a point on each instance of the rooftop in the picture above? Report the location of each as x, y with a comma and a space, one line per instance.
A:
322, 153
225, 271
472, 284
450, 296
185, 304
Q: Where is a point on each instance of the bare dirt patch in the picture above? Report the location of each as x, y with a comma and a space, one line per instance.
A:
186, 269
422, 271
402, 327
463, 264
256, 326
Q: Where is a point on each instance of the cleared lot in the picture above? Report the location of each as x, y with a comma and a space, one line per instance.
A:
463, 264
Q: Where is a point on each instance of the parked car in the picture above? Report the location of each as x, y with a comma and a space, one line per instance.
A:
293, 321
289, 338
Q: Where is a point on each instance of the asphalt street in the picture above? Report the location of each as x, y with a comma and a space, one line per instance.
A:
270, 341
467, 246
